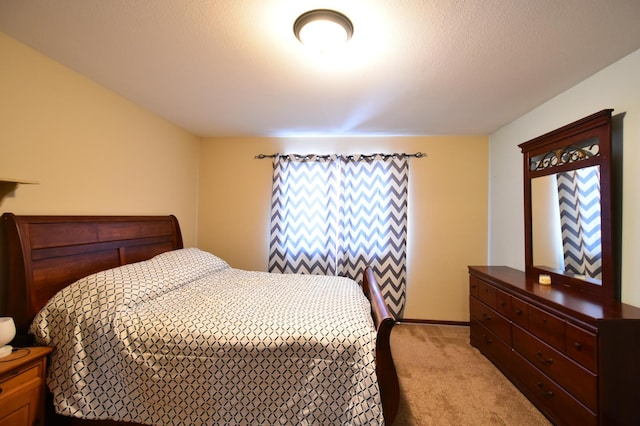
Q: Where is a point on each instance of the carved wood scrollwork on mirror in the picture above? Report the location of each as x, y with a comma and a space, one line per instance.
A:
569, 207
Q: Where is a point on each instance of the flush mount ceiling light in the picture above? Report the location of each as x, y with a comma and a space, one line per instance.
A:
323, 29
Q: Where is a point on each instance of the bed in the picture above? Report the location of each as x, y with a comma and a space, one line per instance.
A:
295, 371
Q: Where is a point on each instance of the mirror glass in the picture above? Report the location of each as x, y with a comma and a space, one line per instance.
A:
566, 223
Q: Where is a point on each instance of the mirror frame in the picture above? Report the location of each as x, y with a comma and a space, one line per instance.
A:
561, 150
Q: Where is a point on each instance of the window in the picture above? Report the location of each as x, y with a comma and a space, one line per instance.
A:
335, 215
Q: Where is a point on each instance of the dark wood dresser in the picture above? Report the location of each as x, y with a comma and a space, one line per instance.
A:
576, 359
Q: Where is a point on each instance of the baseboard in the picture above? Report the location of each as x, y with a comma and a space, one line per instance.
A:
436, 322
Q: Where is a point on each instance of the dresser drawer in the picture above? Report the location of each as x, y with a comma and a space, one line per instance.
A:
577, 380
503, 303
548, 396
18, 410
10, 383
473, 286
520, 312
488, 294
489, 345
547, 327
582, 346
491, 319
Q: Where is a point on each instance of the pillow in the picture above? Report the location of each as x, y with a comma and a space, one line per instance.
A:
98, 296
198, 260
166, 272
137, 282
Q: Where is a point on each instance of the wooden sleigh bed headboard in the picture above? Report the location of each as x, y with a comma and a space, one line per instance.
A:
45, 254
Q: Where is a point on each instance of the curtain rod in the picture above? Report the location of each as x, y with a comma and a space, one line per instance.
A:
306, 156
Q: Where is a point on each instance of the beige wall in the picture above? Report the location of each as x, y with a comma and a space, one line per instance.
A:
447, 202
92, 151
617, 87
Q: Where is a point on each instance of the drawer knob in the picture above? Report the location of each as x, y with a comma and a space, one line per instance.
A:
487, 339
546, 393
547, 361
486, 316
578, 346
518, 312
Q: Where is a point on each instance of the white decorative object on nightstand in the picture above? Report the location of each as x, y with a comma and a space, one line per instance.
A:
7, 333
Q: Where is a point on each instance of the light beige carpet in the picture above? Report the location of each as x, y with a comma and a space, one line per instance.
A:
445, 381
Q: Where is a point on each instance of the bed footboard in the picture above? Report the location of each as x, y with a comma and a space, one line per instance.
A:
385, 368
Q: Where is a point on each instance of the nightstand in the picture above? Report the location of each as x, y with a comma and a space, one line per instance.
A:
22, 378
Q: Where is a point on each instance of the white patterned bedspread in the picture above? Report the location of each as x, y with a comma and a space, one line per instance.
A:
184, 339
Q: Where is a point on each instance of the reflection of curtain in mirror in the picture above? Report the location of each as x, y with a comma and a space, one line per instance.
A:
579, 199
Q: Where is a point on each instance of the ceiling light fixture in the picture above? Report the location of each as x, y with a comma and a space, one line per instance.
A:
323, 30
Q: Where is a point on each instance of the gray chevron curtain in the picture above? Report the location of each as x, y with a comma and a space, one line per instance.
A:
579, 198
334, 215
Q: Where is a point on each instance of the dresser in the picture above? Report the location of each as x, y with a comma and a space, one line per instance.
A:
22, 376
576, 359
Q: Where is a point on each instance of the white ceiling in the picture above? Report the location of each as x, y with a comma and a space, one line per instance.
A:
413, 67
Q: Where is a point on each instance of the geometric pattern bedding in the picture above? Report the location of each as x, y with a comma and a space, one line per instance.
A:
184, 339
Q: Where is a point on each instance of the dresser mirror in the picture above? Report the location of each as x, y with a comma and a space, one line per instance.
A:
569, 207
